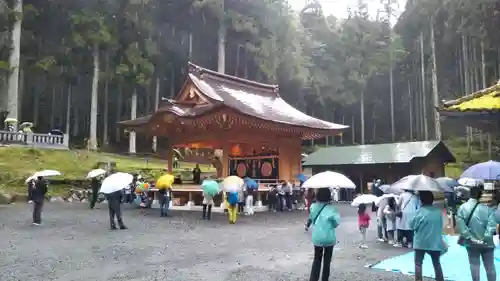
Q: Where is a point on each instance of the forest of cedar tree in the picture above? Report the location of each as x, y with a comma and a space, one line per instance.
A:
81, 66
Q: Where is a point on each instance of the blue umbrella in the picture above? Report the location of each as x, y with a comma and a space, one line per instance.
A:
483, 171
446, 181
250, 183
301, 177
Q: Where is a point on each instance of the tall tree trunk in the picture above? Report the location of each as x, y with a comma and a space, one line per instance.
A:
353, 129
362, 116
417, 101
22, 82
391, 84
342, 135
105, 117
467, 86
411, 110
435, 93
483, 66
157, 102
172, 83
424, 95
221, 43
119, 104
92, 145
68, 109
237, 65
133, 116
53, 107
14, 58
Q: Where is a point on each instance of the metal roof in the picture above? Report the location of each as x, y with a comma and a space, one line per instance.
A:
386, 153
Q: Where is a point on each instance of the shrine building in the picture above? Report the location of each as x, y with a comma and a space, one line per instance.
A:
259, 133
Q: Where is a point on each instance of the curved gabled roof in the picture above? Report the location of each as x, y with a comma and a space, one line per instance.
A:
247, 97
254, 99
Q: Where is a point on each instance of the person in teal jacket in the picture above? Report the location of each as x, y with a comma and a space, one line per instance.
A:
427, 226
476, 225
324, 219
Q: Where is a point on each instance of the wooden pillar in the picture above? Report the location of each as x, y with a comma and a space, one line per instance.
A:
170, 157
283, 162
225, 159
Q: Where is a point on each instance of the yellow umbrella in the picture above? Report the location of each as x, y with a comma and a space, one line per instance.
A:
232, 183
165, 181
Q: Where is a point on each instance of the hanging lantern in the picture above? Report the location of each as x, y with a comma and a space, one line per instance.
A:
236, 150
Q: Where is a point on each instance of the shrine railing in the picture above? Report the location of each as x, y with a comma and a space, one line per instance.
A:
34, 140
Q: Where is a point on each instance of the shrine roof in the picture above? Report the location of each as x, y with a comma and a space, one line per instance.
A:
247, 97
481, 102
252, 98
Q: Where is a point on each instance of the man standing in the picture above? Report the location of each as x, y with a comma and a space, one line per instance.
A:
288, 193
95, 184
114, 201
197, 174
38, 197
164, 198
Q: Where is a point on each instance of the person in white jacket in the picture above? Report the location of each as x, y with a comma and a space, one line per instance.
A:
390, 218
407, 209
249, 201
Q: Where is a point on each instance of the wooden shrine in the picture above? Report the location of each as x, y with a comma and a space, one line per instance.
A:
259, 133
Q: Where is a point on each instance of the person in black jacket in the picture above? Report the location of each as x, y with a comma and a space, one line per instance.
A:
114, 201
38, 197
95, 184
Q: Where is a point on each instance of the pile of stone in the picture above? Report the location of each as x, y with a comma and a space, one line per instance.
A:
74, 195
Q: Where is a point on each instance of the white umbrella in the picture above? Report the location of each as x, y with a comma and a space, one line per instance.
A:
380, 200
329, 179
364, 199
232, 184
420, 183
115, 182
30, 179
95, 173
468, 182
47, 173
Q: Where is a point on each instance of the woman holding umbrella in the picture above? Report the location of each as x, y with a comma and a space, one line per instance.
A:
476, 225
112, 187
324, 219
210, 189
427, 226
231, 186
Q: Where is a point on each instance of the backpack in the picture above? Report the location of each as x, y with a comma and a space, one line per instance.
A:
232, 198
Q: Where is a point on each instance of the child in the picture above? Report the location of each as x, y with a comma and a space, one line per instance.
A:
144, 201
363, 223
390, 218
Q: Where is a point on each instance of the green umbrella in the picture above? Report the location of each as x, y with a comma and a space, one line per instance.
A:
211, 187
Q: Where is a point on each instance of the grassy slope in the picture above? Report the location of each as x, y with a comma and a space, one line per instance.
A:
16, 164
458, 147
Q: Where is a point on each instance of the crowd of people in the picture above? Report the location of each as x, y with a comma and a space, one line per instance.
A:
413, 221
409, 220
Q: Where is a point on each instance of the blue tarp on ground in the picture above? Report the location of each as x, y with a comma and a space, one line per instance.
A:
455, 263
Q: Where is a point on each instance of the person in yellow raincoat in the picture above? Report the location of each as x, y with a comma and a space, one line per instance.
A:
232, 206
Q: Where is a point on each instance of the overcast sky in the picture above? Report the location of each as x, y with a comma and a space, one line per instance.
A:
338, 8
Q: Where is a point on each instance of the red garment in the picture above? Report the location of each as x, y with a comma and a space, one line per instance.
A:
364, 220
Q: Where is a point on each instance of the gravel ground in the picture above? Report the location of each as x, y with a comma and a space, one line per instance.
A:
74, 244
